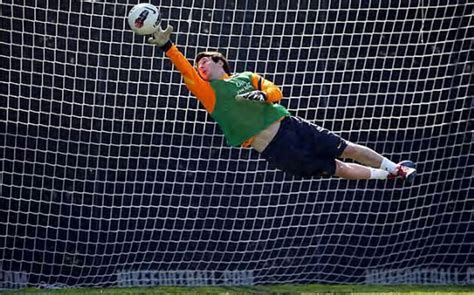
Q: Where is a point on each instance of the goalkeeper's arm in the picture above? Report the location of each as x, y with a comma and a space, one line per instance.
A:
200, 88
265, 91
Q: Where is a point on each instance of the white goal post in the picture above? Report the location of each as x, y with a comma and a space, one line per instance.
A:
112, 174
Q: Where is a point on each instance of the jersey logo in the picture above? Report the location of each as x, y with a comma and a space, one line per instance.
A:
242, 86
238, 83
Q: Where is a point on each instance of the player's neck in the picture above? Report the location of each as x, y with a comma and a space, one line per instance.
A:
219, 76
224, 76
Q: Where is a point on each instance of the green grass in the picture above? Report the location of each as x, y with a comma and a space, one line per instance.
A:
273, 289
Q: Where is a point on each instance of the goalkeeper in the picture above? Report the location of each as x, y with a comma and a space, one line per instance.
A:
245, 106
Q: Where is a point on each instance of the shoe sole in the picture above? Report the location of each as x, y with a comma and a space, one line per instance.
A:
407, 163
410, 177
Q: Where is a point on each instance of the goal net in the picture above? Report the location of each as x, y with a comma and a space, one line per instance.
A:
112, 174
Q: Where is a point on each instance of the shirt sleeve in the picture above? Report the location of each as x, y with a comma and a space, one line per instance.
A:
198, 86
272, 91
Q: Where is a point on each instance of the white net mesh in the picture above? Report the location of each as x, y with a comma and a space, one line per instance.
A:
112, 174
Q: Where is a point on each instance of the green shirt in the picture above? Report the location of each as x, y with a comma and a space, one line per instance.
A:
240, 120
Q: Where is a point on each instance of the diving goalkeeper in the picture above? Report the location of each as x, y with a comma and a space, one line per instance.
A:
245, 106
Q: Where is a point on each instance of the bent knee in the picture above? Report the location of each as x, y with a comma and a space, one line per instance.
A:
351, 150
342, 169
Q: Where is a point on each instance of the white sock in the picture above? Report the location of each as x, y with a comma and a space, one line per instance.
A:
388, 165
378, 173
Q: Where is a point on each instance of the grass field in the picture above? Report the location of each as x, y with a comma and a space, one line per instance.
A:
274, 289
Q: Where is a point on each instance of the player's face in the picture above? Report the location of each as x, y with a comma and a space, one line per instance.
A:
210, 70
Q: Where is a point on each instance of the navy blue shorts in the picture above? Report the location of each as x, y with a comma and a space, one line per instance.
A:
305, 149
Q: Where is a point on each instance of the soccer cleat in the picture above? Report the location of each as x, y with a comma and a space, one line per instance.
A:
405, 171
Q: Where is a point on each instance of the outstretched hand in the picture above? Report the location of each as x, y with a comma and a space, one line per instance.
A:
255, 95
161, 37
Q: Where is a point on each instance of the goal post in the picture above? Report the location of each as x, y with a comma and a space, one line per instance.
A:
112, 174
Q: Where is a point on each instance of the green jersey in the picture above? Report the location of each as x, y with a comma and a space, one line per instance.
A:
240, 120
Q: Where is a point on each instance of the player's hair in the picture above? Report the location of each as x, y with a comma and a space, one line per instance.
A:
216, 56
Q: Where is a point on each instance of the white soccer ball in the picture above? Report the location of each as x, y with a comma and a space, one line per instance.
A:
144, 19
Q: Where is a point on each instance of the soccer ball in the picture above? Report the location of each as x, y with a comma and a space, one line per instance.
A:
144, 19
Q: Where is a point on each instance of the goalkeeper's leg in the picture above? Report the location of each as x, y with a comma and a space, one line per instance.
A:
366, 156
356, 171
